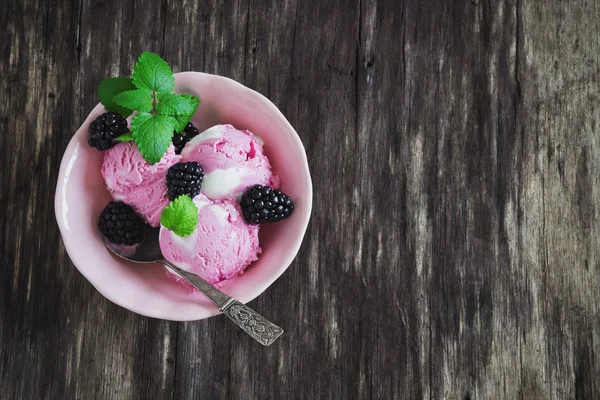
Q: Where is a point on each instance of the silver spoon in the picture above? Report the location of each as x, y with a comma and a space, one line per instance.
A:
243, 316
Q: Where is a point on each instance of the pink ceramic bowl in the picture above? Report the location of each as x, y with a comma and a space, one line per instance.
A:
81, 195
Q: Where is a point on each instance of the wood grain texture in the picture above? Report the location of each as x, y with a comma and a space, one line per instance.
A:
453, 251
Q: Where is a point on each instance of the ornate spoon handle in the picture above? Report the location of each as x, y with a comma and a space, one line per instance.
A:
252, 322
243, 316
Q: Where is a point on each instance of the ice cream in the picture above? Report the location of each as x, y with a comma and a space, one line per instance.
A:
132, 180
221, 246
232, 160
223, 243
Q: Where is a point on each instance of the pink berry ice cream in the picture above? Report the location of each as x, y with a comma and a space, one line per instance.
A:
132, 180
232, 160
221, 246
223, 243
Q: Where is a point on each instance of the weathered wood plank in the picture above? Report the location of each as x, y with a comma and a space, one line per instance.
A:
559, 242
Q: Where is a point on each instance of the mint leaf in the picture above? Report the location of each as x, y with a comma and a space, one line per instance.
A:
181, 216
182, 120
153, 73
152, 134
140, 100
109, 88
174, 104
124, 138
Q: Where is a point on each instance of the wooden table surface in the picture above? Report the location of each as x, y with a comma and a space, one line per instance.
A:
454, 246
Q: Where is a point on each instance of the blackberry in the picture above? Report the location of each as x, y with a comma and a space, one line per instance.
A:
104, 129
181, 139
120, 224
184, 178
262, 204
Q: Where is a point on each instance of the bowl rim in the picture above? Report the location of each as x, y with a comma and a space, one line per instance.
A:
255, 291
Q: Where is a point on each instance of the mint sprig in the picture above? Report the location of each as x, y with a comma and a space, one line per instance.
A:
148, 92
180, 216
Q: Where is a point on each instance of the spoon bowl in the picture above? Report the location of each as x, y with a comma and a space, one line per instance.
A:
147, 252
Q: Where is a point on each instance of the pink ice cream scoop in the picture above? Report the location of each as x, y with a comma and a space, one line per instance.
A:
233, 160
221, 246
132, 180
